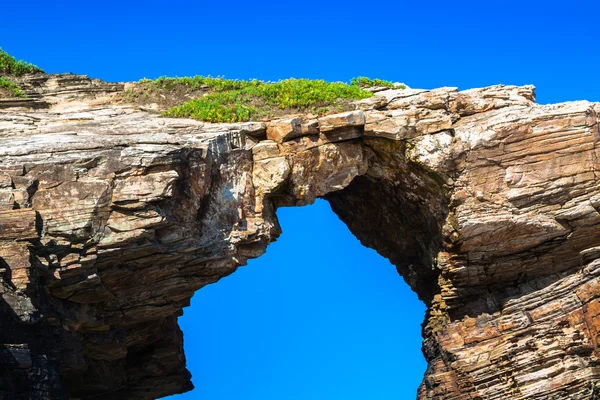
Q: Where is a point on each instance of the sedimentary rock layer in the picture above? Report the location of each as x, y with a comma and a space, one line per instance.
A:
111, 217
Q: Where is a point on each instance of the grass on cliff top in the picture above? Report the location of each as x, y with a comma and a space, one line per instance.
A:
11, 66
226, 100
238, 101
364, 82
10, 89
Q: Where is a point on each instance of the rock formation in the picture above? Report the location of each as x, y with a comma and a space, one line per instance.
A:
111, 217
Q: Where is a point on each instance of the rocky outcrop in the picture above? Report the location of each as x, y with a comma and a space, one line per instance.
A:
111, 217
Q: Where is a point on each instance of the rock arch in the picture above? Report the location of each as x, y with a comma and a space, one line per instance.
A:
111, 218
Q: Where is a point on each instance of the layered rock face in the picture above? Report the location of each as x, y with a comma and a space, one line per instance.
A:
111, 217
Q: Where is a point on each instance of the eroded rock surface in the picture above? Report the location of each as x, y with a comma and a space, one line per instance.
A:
111, 217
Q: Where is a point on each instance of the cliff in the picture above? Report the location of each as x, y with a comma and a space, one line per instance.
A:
111, 217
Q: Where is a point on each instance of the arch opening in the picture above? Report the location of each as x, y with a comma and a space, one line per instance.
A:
318, 316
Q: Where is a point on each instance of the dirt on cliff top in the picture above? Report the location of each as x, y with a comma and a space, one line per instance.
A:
151, 96
5, 93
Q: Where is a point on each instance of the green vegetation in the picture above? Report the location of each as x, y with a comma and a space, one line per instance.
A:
198, 82
11, 66
238, 101
364, 82
12, 88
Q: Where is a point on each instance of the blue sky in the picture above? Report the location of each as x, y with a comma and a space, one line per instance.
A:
318, 316
552, 44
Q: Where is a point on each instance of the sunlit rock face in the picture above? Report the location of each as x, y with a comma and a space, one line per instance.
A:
111, 217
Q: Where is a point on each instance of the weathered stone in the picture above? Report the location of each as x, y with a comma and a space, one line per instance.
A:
406, 124
370, 103
379, 124
394, 94
145, 188
265, 149
111, 218
343, 120
310, 127
270, 174
284, 129
341, 134
432, 151
474, 101
18, 225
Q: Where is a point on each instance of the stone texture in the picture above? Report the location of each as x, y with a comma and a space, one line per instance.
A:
343, 120
284, 129
111, 217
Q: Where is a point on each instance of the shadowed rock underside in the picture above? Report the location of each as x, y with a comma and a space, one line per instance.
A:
111, 217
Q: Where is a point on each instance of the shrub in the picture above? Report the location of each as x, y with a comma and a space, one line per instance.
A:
13, 89
198, 82
11, 66
364, 82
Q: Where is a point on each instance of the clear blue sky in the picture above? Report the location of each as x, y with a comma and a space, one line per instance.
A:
318, 317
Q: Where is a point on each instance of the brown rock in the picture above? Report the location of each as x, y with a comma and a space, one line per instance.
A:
343, 120
265, 149
111, 218
282, 130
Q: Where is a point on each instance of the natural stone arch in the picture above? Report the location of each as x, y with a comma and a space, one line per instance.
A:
486, 202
